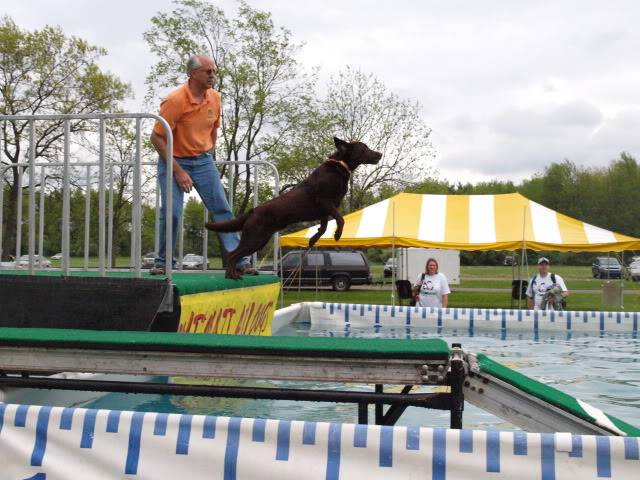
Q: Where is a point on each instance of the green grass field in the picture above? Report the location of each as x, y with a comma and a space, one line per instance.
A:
577, 278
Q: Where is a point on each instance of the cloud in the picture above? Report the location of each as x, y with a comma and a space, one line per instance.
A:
507, 87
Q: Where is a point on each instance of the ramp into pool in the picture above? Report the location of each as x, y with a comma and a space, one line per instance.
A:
191, 302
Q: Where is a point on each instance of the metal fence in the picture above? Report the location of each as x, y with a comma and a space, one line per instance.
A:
105, 187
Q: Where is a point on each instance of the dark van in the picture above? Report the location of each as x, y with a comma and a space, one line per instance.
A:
338, 268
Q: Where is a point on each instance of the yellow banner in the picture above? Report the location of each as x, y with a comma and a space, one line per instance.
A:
241, 311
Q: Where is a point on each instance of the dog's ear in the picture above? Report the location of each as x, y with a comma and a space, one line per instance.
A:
341, 145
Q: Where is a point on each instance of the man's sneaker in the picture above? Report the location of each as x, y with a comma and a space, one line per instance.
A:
157, 271
248, 270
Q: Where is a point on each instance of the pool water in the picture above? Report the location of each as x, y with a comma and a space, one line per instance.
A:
603, 370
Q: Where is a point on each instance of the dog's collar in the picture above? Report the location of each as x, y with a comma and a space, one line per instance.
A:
341, 162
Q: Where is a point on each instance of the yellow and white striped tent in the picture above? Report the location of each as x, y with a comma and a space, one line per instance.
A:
465, 222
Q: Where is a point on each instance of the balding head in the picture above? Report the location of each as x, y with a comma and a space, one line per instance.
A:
198, 61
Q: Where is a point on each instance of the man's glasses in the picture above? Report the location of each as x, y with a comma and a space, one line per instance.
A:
209, 71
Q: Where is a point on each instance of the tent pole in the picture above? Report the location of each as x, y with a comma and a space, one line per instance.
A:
524, 250
393, 254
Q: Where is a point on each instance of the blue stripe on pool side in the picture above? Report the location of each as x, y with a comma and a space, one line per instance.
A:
133, 450
339, 306
362, 310
602, 321
384, 308
66, 418
184, 434
259, 425
618, 317
231, 452
493, 451
20, 419
585, 317
503, 320
568, 320
3, 407
324, 305
455, 314
631, 451
535, 321
386, 446
393, 312
519, 443
439, 455
346, 315
576, 446
309, 433
603, 456
331, 309
547, 456
408, 318
369, 307
209, 427
88, 428
333, 452
519, 315
487, 314
160, 426
413, 438
466, 441
635, 322
354, 307
552, 316
284, 438
439, 318
40, 444
471, 321
360, 436
424, 313
377, 320
113, 420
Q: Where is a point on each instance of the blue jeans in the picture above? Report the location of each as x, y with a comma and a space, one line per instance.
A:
206, 180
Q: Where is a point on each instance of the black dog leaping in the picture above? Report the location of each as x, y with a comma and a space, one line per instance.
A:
316, 198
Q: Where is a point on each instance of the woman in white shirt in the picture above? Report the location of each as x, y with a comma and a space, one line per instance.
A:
432, 287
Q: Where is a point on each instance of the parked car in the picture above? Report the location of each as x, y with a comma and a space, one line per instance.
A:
389, 267
606, 267
338, 268
510, 260
57, 256
43, 262
191, 261
634, 271
149, 260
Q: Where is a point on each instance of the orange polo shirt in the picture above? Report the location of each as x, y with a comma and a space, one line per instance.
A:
192, 123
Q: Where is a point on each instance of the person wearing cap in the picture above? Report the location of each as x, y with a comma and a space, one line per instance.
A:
545, 287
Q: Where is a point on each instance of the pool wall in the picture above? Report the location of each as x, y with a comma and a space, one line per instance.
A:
345, 315
58, 443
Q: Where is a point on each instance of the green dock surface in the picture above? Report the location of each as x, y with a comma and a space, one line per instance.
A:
186, 283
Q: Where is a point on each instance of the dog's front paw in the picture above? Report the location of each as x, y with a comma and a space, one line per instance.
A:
337, 235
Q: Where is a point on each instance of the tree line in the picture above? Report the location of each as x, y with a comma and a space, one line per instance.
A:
273, 109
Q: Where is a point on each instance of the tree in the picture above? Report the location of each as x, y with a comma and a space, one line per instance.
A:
358, 106
259, 78
46, 72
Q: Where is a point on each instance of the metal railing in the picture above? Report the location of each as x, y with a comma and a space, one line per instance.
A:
105, 205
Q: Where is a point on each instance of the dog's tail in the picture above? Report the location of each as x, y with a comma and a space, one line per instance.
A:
234, 225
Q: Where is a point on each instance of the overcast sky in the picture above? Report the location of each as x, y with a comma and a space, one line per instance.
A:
507, 87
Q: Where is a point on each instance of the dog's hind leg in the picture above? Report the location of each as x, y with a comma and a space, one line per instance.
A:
319, 233
249, 243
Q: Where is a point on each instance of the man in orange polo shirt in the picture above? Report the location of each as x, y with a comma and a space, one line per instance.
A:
193, 113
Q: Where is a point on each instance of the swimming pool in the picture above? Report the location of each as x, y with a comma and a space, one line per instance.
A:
602, 369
